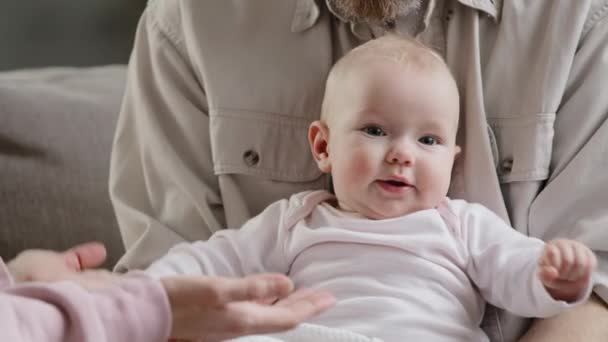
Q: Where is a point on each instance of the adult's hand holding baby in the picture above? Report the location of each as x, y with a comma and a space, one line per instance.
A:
215, 309
565, 269
202, 308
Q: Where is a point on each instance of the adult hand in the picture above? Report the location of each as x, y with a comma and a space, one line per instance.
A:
215, 309
45, 265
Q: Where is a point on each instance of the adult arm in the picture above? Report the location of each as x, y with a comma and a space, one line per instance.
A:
212, 308
135, 309
162, 183
586, 322
573, 203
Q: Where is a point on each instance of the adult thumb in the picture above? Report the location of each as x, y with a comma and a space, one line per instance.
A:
86, 255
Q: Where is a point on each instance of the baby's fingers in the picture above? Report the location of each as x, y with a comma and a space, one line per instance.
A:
571, 259
551, 256
568, 258
548, 275
580, 264
584, 264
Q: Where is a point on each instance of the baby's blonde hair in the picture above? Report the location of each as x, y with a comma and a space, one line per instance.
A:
402, 51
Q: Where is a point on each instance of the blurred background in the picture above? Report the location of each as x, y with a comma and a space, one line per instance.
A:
60, 95
35, 33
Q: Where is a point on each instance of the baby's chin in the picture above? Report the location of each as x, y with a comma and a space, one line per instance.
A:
386, 212
382, 209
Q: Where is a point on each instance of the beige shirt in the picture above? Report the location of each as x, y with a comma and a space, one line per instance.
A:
220, 95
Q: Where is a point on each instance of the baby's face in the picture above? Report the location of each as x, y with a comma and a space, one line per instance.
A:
391, 144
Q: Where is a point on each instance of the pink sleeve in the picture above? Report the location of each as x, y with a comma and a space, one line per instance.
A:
134, 309
256, 247
503, 264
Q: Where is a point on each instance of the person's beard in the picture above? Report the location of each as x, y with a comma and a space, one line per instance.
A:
373, 10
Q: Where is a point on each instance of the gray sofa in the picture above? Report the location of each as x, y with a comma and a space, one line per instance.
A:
56, 130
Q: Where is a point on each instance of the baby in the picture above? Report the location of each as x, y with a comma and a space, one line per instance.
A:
404, 262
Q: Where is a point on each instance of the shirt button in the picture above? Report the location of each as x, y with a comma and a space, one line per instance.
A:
251, 157
506, 165
449, 14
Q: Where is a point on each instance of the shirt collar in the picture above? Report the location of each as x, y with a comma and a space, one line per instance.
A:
490, 7
305, 16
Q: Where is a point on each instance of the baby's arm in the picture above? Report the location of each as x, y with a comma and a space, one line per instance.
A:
504, 265
565, 269
257, 247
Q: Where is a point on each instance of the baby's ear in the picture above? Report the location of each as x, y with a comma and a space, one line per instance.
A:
318, 138
457, 151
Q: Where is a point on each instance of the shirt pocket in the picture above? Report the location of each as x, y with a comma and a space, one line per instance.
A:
268, 145
524, 144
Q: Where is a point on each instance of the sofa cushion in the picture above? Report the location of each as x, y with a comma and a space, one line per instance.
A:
56, 130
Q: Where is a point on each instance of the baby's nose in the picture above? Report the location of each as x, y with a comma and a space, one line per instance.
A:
401, 155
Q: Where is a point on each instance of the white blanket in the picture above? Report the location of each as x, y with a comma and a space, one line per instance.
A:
309, 333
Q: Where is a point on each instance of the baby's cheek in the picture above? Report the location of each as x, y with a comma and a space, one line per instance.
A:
439, 182
354, 166
347, 177
361, 168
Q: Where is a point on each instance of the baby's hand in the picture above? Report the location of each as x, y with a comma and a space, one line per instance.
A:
565, 268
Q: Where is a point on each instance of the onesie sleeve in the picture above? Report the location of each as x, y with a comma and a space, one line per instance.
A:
256, 247
503, 265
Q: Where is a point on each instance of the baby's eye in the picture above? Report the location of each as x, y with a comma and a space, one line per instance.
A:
374, 131
428, 140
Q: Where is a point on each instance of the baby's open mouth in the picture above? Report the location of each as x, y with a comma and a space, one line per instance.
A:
395, 186
395, 183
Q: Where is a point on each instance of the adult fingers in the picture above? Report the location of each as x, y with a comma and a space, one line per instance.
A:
256, 287
218, 291
43, 265
294, 296
240, 318
307, 306
94, 279
247, 318
86, 255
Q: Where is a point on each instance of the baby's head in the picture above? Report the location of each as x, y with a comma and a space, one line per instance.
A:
388, 127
